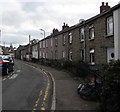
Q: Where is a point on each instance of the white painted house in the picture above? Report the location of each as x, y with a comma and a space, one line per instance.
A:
35, 51
116, 15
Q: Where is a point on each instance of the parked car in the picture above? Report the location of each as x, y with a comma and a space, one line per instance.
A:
6, 65
11, 59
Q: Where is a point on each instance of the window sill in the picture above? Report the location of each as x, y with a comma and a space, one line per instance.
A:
92, 63
82, 41
109, 35
91, 39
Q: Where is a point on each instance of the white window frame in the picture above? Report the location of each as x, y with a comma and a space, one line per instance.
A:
40, 44
43, 54
56, 54
70, 55
43, 43
51, 42
56, 41
47, 43
82, 54
36, 48
70, 38
92, 57
91, 32
82, 34
64, 40
110, 24
63, 54
40, 54
46, 55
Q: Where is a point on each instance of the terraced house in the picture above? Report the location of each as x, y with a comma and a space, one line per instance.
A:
96, 40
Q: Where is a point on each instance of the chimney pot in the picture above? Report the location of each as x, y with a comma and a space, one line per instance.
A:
102, 3
106, 3
65, 26
104, 8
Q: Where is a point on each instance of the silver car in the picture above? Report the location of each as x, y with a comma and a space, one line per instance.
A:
5, 65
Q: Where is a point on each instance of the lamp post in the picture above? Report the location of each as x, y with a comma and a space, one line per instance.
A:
44, 43
44, 32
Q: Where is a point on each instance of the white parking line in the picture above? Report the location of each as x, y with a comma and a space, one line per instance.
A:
4, 79
18, 70
8, 76
13, 76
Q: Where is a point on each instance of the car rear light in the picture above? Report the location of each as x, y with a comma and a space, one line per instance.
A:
2, 62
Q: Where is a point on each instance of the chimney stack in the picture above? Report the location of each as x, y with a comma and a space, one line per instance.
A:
104, 7
65, 26
55, 31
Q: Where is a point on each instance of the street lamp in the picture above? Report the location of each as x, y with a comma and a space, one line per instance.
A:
44, 35
44, 42
44, 32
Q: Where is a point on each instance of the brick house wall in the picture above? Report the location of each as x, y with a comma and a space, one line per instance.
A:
101, 42
101, 45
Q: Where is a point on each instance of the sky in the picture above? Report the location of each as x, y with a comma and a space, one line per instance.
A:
21, 18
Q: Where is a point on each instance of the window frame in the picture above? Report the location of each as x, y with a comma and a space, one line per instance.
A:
51, 42
63, 54
46, 42
43, 54
41, 44
82, 34
56, 41
82, 54
40, 53
91, 32
64, 40
108, 23
70, 55
56, 54
92, 56
70, 38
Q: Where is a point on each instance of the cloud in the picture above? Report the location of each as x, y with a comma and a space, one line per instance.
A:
23, 17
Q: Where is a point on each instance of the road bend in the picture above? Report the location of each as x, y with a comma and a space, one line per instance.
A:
27, 88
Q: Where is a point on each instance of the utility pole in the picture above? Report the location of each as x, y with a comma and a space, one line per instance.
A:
29, 38
29, 48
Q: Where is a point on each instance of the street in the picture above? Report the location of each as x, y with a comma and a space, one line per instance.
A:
27, 88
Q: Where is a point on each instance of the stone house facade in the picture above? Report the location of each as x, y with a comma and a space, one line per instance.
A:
96, 40
35, 51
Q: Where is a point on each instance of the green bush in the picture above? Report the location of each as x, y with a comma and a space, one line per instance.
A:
111, 87
82, 68
66, 64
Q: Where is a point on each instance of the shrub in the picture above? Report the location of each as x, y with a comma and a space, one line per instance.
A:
82, 68
66, 64
111, 87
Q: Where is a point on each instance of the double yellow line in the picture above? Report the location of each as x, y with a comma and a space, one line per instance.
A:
45, 95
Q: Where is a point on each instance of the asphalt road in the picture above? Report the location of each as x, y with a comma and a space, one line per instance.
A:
27, 88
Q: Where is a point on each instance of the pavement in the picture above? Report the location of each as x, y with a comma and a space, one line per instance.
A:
66, 91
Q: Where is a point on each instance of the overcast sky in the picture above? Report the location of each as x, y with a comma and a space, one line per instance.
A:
19, 18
